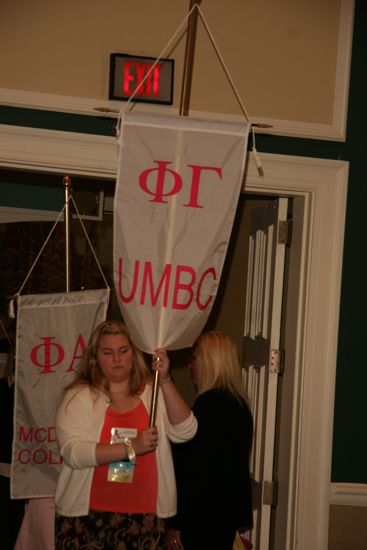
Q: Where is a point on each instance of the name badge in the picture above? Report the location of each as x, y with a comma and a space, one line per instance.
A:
123, 470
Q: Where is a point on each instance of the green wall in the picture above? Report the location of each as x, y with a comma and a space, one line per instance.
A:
350, 434
28, 196
350, 440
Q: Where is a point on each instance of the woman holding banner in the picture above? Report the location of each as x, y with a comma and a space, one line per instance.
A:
117, 480
212, 470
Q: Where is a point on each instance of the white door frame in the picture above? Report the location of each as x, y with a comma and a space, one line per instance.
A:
319, 190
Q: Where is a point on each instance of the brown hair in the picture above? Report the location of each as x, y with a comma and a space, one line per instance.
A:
217, 363
89, 372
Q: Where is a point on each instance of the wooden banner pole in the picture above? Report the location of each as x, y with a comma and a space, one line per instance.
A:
184, 111
189, 59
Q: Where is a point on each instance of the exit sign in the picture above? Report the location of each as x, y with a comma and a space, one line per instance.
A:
154, 83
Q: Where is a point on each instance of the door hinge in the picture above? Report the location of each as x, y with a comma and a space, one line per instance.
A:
277, 361
270, 493
285, 232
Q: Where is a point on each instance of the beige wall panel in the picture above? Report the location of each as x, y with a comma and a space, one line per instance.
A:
64, 47
281, 54
348, 528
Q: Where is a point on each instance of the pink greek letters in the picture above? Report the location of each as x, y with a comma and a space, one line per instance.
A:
161, 182
48, 355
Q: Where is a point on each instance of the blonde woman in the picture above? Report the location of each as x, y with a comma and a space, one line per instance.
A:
117, 481
212, 470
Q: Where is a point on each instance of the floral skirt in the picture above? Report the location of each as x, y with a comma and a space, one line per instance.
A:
110, 531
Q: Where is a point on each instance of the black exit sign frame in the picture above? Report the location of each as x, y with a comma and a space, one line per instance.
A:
127, 71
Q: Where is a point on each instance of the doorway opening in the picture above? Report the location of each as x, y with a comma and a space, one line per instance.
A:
317, 189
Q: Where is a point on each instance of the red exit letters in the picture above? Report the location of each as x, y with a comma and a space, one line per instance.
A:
143, 77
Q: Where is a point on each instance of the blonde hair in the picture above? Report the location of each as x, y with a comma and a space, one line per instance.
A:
89, 372
217, 364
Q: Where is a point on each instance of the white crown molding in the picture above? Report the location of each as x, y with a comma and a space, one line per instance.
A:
344, 57
67, 104
348, 494
11, 215
335, 131
61, 152
76, 105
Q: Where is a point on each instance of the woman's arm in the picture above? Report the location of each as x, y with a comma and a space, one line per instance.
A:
79, 422
78, 427
145, 442
177, 408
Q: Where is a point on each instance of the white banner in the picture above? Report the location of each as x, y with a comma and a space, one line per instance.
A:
177, 190
52, 333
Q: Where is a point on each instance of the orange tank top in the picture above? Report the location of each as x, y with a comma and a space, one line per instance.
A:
135, 490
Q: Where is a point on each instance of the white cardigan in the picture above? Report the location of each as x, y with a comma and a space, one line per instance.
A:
79, 423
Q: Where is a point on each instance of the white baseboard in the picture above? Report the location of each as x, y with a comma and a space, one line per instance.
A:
348, 494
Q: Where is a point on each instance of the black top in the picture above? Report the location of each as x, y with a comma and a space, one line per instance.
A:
6, 415
212, 470
6, 412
